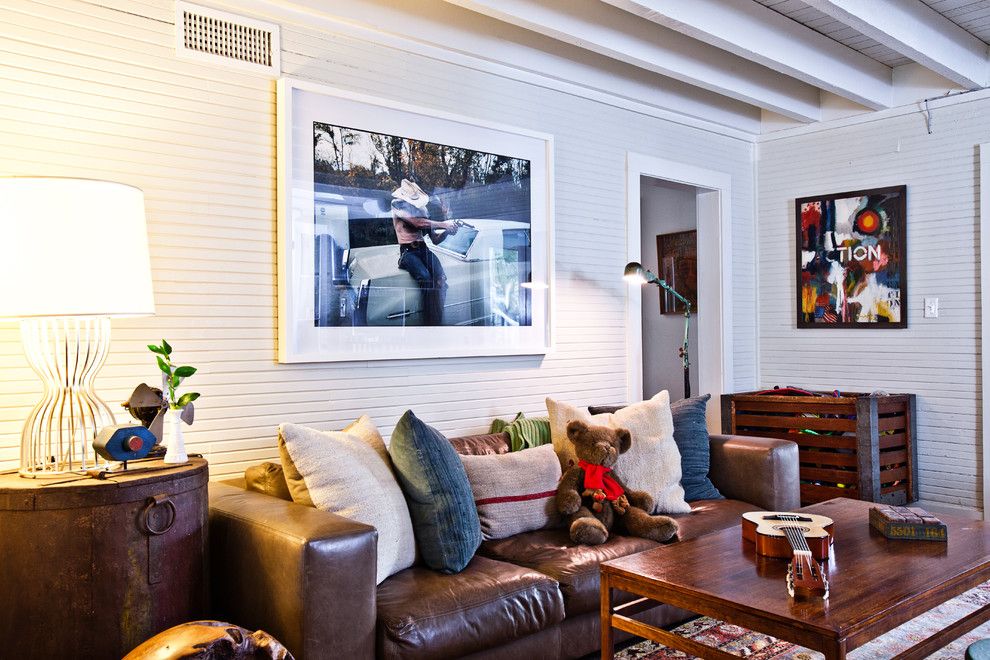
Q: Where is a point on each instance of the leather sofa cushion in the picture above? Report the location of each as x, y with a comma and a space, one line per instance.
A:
268, 479
574, 566
425, 614
482, 444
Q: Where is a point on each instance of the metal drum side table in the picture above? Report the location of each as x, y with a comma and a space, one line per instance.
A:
91, 568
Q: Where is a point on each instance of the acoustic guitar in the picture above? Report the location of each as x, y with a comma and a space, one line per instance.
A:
804, 538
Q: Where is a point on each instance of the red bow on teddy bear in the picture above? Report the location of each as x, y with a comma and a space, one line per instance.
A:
600, 486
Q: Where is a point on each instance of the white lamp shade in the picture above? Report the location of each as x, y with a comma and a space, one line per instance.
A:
73, 247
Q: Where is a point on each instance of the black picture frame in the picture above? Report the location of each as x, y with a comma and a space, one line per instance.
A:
883, 253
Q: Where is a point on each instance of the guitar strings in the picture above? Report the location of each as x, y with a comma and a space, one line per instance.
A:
795, 535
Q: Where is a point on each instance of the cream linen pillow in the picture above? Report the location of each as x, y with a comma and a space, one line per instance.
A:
363, 429
344, 473
652, 464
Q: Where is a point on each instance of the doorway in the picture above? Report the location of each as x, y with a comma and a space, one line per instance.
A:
665, 197
668, 247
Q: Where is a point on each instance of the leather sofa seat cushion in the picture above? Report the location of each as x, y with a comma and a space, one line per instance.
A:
574, 566
710, 516
426, 614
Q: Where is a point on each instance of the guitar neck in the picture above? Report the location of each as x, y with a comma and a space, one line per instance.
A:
805, 574
795, 538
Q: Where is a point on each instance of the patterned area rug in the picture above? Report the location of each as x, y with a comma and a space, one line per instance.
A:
757, 646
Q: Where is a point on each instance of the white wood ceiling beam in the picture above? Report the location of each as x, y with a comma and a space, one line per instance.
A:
917, 31
608, 31
437, 30
754, 32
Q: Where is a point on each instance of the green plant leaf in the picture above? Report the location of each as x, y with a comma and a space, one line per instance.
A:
187, 398
185, 372
167, 348
156, 349
163, 365
175, 380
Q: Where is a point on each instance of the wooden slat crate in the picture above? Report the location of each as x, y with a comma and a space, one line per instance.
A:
854, 445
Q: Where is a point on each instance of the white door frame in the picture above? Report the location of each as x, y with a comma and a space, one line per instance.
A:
985, 319
714, 277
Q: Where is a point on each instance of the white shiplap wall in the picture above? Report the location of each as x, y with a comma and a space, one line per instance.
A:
938, 359
93, 89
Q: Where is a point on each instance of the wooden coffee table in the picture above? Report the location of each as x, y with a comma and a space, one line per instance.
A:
876, 584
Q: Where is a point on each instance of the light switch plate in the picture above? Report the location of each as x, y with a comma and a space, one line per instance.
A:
931, 308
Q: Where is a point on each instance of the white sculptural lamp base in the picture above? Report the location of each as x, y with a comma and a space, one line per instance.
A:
66, 353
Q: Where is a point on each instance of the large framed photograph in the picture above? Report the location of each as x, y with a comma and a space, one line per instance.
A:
852, 259
405, 232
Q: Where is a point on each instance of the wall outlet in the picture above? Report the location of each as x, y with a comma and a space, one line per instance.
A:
931, 308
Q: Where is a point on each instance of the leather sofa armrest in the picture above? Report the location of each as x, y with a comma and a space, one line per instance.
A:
761, 471
304, 575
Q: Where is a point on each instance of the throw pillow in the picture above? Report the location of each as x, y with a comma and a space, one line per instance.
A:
652, 464
498, 425
362, 428
344, 475
524, 431
438, 493
514, 492
693, 443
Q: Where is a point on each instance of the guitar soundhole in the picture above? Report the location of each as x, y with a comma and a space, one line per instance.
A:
803, 529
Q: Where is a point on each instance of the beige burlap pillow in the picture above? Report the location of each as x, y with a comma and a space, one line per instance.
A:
652, 464
514, 492
362, 428
344, 474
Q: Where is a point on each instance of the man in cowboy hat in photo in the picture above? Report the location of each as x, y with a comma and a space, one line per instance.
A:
411, 219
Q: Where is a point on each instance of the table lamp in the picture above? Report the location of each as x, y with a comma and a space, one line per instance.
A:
636, 274
73, 254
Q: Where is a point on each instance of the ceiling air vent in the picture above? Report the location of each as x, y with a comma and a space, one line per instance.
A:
208, 35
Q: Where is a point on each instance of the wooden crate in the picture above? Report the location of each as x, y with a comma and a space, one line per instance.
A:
854, 445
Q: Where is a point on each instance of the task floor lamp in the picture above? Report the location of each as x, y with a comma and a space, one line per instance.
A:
637, 274
73, 254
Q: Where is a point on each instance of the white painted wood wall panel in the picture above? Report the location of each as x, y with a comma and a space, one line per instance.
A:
936, 358
93, 89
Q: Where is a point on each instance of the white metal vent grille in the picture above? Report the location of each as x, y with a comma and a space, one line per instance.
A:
216, 36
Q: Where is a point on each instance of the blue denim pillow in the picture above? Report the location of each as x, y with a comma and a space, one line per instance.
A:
691, 437
440, 500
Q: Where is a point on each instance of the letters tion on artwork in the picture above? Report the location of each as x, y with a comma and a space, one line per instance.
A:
851, 259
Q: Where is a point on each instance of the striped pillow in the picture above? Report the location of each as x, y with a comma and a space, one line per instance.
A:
514, 492
524, 432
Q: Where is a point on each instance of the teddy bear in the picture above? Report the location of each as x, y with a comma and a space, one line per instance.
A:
595, 498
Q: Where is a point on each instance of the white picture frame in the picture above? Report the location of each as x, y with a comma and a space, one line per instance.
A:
320, 321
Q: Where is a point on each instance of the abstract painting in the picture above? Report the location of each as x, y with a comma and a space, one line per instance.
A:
851, 259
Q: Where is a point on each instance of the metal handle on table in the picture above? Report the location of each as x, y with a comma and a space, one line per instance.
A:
151, 505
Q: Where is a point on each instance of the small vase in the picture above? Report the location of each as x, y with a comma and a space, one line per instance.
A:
175, 445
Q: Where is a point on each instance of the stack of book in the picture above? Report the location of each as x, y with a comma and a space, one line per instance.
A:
910, 523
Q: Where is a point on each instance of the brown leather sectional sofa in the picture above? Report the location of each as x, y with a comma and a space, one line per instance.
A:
308, 577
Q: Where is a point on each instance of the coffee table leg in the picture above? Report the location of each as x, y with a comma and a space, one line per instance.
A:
836, 651
608, 650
